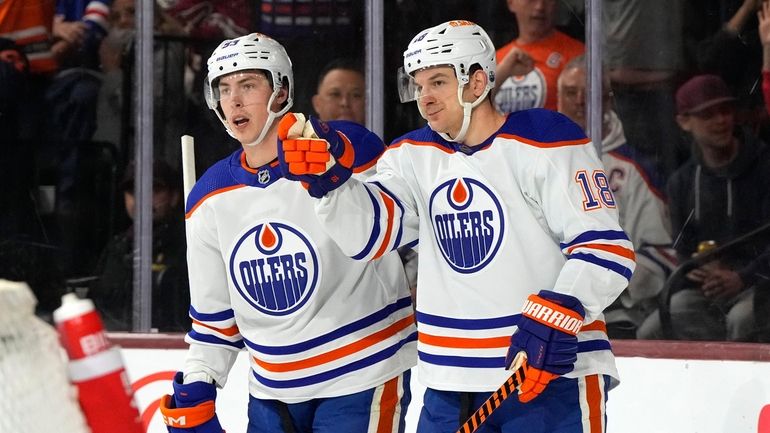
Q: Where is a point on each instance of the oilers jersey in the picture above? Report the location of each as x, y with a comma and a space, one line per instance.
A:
265, 276
526, 210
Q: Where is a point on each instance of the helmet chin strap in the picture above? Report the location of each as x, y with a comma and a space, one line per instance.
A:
467, 109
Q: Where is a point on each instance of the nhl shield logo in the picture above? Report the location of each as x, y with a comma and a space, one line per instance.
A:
468, 222
274, 267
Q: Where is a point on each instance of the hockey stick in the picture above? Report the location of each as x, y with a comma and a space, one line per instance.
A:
497, 398
188, 164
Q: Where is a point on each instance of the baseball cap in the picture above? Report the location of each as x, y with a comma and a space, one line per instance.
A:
701, 92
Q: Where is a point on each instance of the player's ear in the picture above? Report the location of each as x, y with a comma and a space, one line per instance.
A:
478, 82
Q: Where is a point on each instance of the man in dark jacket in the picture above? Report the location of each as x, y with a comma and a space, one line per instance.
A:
721, 193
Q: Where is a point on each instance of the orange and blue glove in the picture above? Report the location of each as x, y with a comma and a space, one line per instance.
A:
191, 409
547, 333
314, 153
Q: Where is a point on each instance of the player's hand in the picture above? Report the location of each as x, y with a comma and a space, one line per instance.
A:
547, 333
722, 283
191, 408
312, 152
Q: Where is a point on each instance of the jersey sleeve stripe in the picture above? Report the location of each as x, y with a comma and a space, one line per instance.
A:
614, 249
213, 340
596, 325
464, 343
596, 235
400, 232
542, 145
375, 229
350, 328
389, 207
212, 317
613, 266
230, 331
339, 371
340, 352
209, 195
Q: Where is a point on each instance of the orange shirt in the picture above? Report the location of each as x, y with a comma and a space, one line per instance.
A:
538, 88
28, 23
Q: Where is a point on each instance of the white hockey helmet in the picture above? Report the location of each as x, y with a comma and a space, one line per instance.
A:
460, 44
254, 51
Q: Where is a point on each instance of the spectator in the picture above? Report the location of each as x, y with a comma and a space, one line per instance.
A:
115, 120
641, 208
644, 53
341, 93
548, 48
721, 39
113, 291
718, 195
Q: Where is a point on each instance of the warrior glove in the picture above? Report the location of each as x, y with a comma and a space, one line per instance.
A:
547, 333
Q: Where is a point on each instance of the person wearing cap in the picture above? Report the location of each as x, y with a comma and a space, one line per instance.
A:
112, 292
719, 194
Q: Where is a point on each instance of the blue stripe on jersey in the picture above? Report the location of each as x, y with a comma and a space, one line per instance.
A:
371, 319
217, 177
541, 125
211, 317
339, 371
664, 267
596, 235
367, 145
400, 218
593, 346
498, 362
469, 324
206, 338
609, 264
375, 229
462, 361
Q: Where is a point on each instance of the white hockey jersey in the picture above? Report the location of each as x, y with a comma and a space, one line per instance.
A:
264, 275
528, 209
643, 215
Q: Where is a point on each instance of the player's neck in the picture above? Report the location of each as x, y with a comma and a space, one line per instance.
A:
263, 152
485, 121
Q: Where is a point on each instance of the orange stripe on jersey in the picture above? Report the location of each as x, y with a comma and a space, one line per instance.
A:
614, 249
338, 353
420, 143
594, 400
596, 325
542, 145
211, 194
367, 166
389, 205
464, 343
388, 403
233, 330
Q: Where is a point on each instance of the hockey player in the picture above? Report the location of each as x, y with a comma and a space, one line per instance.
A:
330, 340
642, 209
507, 211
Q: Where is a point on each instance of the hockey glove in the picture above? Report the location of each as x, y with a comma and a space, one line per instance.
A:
313, 153
191, 408
547, 333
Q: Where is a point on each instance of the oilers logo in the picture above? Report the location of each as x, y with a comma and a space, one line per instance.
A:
522, 92
274, 266
468, 222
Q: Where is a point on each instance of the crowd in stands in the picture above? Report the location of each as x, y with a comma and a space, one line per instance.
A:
685, 118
